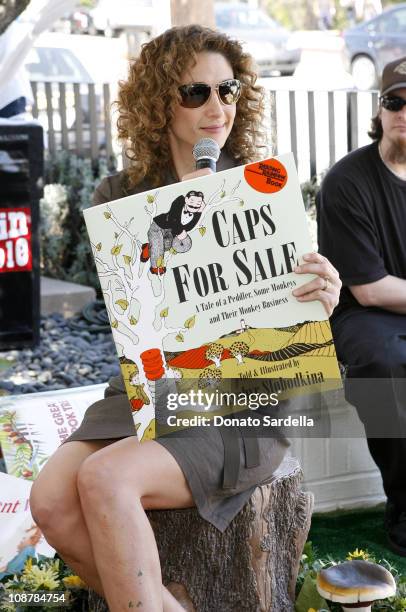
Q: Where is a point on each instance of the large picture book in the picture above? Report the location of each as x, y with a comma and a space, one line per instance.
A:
198, 278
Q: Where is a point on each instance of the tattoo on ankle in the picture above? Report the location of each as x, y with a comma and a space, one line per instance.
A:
130, 604
139, 573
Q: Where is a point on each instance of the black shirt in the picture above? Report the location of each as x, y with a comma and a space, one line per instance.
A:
361, 209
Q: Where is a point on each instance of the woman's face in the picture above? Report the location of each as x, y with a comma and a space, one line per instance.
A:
213, 119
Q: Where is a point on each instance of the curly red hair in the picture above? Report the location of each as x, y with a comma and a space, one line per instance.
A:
147, 98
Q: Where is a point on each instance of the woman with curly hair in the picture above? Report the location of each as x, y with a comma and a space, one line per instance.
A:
91, 496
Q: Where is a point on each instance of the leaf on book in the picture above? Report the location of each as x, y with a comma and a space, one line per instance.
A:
173, 251
107, 215
122, 303
222, 194
242, 202
115, 235
179, 337
149, 433
150, 199
114, 323
160, 262
189, 323
127, 259
202, 230
164, 313
116, 249
98, 246
133, 321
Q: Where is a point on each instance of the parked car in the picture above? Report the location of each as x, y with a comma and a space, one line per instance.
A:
270, 44
66, 58
372, 44
86, 60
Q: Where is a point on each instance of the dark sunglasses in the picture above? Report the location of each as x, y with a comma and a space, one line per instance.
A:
197, 94
392, 103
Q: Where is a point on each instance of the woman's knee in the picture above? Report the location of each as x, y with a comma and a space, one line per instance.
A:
51, 501
98, 478
54, 514
42, 502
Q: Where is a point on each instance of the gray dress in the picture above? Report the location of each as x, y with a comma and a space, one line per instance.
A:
222, 466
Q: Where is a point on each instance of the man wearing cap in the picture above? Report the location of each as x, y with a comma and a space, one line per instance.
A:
362, 231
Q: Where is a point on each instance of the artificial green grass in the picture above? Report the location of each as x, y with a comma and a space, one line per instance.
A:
336, 534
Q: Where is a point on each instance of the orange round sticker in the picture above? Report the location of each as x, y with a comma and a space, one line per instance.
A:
266, 176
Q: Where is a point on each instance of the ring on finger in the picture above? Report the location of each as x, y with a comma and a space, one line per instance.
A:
326, 283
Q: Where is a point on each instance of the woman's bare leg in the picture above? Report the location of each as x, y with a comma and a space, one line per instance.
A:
115, 485
56, 508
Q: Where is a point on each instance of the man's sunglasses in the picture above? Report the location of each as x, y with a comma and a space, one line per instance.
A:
197, 94
392, 103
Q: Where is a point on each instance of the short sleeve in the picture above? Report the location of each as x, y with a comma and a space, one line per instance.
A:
347, 232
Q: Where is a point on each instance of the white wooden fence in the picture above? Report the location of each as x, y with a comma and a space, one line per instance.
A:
76, 117
318, 126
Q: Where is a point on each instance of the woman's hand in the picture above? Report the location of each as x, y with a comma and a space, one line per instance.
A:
325, 288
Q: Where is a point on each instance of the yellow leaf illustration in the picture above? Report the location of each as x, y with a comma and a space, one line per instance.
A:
179, 337
173, 251
202, 230
190, 322
242, 202
164, 313
116, 250
222, 194
98, 246
160, 262
150, 199
107, 215
127, 259
114, 323
149, 433
122, 303
133, 321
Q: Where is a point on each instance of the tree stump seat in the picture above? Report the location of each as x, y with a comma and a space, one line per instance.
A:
252, 566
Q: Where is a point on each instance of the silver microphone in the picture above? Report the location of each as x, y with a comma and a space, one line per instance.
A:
206, 153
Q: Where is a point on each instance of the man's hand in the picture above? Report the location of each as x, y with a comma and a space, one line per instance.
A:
388, 293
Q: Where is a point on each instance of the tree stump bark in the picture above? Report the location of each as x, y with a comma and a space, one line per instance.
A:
252, 566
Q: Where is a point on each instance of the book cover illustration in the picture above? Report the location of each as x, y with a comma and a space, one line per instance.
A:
19, 535
32, 427
197, 279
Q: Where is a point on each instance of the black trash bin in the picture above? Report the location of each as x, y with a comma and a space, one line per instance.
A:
21, 172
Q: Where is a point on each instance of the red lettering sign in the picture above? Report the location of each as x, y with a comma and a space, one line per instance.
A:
15, 239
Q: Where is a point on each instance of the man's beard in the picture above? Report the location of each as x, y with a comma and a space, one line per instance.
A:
396, 152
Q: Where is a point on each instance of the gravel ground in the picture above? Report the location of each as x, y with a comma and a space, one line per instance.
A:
72, 353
